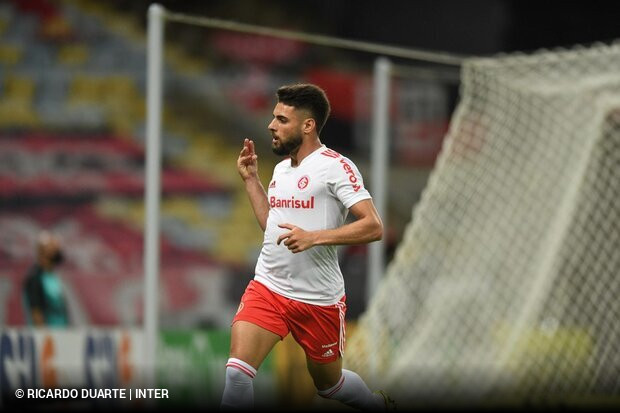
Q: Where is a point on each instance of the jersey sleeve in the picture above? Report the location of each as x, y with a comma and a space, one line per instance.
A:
346, 183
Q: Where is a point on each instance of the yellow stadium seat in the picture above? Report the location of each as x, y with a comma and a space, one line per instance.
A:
84, 88
73, 54
3, 25
19, 88
10, 54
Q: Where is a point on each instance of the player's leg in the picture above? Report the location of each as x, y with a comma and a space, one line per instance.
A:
320, 330
249, 345
256, 328
346, 386
325, 375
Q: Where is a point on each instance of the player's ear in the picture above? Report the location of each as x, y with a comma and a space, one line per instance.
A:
308, 125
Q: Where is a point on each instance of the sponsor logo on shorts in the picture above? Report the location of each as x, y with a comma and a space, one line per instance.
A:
240, 308
329, 345
328, 353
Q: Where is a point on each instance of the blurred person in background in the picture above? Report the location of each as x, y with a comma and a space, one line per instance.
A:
43, 294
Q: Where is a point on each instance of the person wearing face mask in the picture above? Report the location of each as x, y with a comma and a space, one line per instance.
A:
44, 299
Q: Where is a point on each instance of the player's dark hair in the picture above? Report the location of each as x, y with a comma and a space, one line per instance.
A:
309, 97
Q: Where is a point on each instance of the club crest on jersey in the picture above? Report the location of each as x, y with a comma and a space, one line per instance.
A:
303, 182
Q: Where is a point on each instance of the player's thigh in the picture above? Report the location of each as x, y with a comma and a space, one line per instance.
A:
251, 343
325, 375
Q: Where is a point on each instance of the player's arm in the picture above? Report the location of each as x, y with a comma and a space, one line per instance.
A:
247, 165
366, 228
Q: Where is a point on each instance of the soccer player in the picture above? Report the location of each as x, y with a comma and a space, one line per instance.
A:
298, 286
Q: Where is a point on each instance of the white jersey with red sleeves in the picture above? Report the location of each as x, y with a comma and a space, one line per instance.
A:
315, 195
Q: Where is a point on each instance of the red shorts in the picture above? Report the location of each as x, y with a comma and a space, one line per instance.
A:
320, 330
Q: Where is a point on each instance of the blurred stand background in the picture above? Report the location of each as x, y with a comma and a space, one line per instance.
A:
72, 116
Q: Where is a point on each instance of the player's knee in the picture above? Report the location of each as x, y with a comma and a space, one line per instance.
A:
239, 371
324, 375
328, 389
325, 380
324, 385
236, 376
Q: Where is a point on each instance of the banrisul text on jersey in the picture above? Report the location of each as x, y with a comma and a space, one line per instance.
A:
291, 203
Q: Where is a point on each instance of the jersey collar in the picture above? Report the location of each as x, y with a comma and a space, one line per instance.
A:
310, 155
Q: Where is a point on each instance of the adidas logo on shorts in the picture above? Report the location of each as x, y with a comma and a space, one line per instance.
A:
328, 353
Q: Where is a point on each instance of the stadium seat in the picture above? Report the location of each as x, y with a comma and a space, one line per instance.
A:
16, 106
10, 54
73, 54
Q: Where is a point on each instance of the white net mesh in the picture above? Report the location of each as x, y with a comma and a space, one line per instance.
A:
507, 282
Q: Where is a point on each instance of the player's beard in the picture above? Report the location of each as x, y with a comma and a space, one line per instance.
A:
288, 146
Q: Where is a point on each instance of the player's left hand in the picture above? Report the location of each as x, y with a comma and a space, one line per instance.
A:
296, 239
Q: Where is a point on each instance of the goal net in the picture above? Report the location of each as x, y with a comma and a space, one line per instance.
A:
506, 285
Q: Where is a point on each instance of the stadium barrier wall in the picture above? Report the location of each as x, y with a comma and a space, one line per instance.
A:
190, 368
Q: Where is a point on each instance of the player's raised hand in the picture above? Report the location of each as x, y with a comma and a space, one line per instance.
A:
297, 239
247, 162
